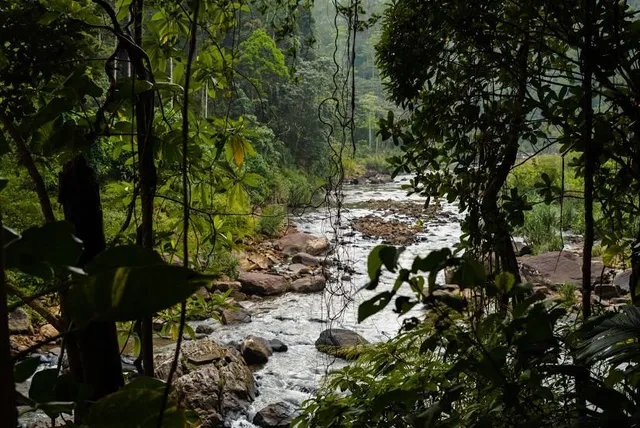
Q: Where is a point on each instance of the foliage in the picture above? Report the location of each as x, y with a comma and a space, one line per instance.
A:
271, 220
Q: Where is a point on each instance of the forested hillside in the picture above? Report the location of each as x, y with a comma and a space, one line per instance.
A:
319, 213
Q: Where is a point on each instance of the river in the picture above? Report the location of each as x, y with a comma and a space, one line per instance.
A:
298, 319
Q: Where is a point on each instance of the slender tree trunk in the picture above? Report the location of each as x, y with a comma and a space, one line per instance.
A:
589, 155
25, 158
147, 170
494, 221
8, 410
98, 342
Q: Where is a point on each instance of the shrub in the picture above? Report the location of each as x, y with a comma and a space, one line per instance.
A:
271, 220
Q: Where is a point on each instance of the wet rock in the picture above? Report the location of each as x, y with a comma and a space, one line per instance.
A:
340, 342
299, 269
212, 380
278, 345
238, 296
277, 415
255, 350
235, 316
557, 268
48, 331
263, 284
226, 285
622, 279
620, 300
19, 322
309, 284
303, 243
204, 329
345, 277
306, 259
606, 291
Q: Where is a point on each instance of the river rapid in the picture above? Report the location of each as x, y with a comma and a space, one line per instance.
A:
298, 319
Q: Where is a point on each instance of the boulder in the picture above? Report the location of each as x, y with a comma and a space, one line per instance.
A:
303, 243
19, 322
606, 291
557, 267
299, 269
278, 345
622, 279
276, 415
235, 316
340, 342
226, 285
263, 284
211, 380
204, 329
48, 331
309, 284
255, 350
306, 259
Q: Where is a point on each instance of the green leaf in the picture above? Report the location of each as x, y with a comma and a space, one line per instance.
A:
382, 254
129, 293
9, 235
373, 305
505, 282
124, 256
25, 369
3, 183
434, 261
41, 250
138, 403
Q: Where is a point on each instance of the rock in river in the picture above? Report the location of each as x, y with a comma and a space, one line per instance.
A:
309, 284
303, 242
276, 415
211, 380
263, 284
235, 316
306, 259
340, 342
255, 350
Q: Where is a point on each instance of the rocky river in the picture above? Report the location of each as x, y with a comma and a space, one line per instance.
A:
298, 319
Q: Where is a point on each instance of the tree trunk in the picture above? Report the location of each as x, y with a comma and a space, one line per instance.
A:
25, 158
144, 108
98, 342
493, 219
8, 410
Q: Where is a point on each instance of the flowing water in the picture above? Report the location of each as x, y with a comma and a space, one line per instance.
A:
298, 319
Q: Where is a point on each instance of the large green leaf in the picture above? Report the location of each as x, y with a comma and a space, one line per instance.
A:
128, 293
138, 405
25, 369
40, 250
374, 305
124, 256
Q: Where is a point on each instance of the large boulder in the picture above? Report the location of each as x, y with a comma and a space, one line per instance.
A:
557, 267
340, 342
276, 415
303, 243
19, 322
309, 284
263, 284
212, 380
255, 350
